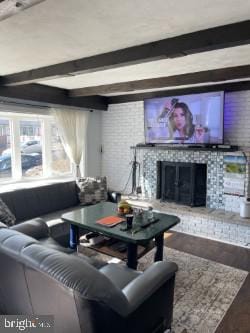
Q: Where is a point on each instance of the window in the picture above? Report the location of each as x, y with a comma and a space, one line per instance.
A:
30, 148
5, 150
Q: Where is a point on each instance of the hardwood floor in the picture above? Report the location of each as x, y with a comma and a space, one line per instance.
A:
237, 318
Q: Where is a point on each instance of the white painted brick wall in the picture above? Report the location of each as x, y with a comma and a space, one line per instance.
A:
232, 203
122, 127
230, 233
237, 118
93, 149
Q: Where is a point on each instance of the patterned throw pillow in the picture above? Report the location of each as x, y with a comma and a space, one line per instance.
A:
92, 190
5, 214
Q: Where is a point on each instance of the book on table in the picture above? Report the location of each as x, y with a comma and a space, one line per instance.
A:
110, 221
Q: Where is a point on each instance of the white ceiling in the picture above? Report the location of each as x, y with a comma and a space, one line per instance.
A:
56, 31
12, 7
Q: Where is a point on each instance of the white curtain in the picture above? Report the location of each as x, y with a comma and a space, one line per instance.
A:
72, 126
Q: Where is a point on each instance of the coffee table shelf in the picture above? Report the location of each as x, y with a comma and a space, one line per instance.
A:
105, 248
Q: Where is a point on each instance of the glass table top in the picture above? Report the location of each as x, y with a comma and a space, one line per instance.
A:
87, 216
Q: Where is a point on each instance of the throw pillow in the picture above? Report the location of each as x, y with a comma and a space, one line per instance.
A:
92, 190
5, 214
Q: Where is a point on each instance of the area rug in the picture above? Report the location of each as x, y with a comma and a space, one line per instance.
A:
204, 289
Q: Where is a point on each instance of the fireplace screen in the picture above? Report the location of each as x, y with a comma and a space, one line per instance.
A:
183, 183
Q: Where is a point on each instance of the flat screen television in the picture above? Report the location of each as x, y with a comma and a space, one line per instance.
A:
191, 119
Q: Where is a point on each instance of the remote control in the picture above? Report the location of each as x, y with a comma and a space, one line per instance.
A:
149, 222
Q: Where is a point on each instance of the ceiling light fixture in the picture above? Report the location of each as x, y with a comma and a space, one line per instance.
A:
11, 7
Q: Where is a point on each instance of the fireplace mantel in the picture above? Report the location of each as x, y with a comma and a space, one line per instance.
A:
213, 148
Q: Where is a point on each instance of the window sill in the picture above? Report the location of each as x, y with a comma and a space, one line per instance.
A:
29, 183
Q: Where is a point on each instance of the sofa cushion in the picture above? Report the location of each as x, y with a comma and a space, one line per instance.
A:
57, 227
53, 244
92, 190
6, 216
36, 228
7, 198
97, 263
14, 241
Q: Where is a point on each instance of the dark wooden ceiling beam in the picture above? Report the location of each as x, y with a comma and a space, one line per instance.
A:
227, 87
205, 40
51, 96
215, 75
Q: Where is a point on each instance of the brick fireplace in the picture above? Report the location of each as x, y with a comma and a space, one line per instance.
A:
214, 160
220, 218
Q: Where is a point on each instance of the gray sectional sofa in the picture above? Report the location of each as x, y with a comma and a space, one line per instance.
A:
83, 298
41, 208
40, 276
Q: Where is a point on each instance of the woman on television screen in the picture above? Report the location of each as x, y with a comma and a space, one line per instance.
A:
180, 124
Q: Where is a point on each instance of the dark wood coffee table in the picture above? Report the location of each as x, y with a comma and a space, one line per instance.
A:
86, 218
